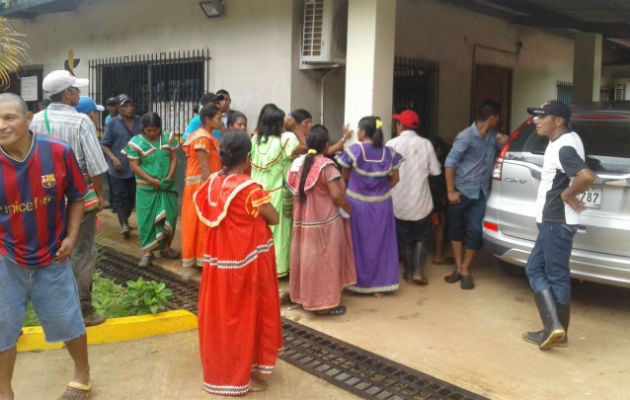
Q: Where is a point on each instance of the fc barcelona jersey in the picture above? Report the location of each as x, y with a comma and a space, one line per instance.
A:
33, 195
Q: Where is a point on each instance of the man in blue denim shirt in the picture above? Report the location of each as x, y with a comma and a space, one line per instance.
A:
468, 170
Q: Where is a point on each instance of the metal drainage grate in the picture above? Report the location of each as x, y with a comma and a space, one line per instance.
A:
358, 371
365, 374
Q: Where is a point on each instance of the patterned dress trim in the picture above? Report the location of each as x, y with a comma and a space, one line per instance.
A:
233, 193
316, 169
237, 264
368, 199
275, 160
362, 172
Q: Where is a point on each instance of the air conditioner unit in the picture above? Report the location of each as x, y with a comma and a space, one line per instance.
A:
324, 33
622, 90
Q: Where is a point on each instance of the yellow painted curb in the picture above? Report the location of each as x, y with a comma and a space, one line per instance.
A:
117, 330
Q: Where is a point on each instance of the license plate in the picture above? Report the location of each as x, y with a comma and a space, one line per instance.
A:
592, 198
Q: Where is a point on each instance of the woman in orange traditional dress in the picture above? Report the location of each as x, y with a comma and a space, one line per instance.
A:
240, 332
202, 154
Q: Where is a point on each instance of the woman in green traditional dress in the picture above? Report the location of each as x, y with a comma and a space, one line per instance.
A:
152, 159
272, 153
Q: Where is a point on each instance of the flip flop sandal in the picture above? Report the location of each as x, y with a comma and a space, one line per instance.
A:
333, 312
77, 391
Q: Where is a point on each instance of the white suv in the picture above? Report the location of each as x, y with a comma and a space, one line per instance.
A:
601, 247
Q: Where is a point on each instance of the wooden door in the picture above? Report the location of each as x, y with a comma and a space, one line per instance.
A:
494, 83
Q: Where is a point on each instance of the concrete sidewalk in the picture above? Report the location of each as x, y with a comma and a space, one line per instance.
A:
162, 367
468, 338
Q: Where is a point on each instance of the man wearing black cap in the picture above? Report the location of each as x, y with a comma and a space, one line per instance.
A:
195, 123
122, 182
412, 197
564, 176
112, 109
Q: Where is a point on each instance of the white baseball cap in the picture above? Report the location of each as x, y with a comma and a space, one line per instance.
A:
60, 80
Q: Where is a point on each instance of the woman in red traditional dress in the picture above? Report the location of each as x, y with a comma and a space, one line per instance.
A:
240, 332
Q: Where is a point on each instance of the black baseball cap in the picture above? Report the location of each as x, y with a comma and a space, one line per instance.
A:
552, 107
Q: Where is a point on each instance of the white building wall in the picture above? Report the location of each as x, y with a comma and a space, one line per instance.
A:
255, 51
446, 34
250, 46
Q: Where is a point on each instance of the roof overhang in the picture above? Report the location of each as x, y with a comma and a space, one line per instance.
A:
611, 18
28, 9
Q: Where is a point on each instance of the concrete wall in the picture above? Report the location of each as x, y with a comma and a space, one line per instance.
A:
250, 46
446, 34
255, 51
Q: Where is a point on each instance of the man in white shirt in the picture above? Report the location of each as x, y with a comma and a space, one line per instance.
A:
412, 196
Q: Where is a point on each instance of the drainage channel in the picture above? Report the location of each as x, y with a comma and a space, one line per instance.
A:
356, 370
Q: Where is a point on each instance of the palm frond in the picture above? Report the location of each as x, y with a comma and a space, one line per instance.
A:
13, 51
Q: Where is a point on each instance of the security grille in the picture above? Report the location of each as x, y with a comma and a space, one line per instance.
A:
27, 82
564, 92
170, 84
416, 88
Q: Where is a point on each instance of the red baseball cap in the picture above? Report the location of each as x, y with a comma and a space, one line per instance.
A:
408, 118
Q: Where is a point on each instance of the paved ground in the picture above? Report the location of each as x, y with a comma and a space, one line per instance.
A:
469, 338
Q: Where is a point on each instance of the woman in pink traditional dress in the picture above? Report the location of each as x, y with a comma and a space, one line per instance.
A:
322, 262
240, 332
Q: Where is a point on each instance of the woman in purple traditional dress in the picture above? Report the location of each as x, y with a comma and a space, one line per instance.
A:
371, 170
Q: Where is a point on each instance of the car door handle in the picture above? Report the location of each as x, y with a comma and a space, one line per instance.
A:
535, 173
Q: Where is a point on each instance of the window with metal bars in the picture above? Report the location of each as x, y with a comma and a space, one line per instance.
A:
564, 92
170, 84
416, 88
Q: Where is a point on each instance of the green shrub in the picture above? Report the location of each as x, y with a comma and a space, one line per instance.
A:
108, 297
147, 297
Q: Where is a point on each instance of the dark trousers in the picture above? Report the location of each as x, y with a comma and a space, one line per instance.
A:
123, 196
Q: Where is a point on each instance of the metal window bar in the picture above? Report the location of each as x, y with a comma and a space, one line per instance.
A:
564, 92
416, 84
15, 85
168, 83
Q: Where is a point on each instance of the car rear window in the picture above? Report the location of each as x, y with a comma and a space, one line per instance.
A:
606, 142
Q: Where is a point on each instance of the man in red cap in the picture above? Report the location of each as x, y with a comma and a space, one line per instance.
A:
412, 196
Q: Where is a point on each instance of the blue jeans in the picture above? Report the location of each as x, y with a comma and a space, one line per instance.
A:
53, 292
465, 221
548, 264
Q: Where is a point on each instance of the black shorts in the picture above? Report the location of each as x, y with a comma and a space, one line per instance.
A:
411, 232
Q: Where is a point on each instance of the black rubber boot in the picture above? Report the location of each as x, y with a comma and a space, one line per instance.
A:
406, 255
553, 333
419, 261
564, 315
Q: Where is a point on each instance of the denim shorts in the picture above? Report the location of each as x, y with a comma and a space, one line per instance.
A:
53, 292
464, 221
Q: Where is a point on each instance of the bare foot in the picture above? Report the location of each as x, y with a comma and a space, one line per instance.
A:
378, 295
257, 384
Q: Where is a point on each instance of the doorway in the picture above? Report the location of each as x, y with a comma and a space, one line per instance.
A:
495, 83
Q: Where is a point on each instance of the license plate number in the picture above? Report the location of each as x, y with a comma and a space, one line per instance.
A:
592, 198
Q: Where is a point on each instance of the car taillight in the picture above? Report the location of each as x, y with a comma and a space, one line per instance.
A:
498, 162
490, 226
497, 171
